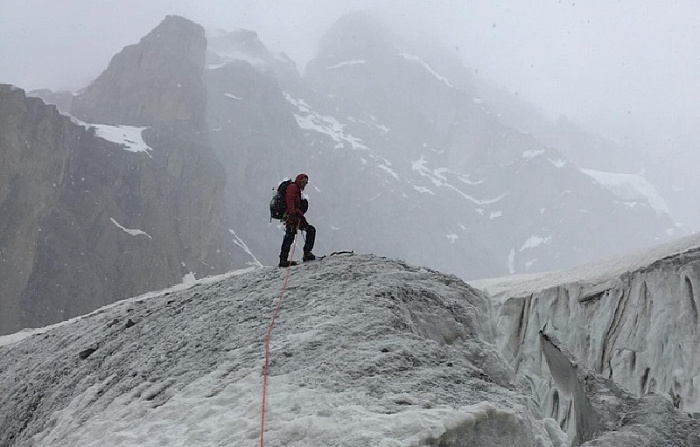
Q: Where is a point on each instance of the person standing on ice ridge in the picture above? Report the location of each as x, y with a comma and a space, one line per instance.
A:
295, 220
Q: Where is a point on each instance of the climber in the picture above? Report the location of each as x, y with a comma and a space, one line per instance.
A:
295, 220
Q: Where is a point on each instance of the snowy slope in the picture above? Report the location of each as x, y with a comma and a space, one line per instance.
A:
633, 190
366, 351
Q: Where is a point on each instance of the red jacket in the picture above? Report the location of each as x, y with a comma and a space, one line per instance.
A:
293, 199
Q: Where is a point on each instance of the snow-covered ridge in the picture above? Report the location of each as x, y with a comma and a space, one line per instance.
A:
238, 241
28, 332
231, 56
630, 188
371, 123
129, 137
535, 241
437, 178
133, 232
311, 120
533, 153
365, 351
599, 271
347, 63
438, 76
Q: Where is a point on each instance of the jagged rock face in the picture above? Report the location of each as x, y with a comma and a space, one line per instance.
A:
155, 82
35, 146
637, 327
114, 223
63, 100
69, 201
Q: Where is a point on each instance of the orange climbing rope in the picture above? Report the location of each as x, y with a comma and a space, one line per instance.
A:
267, 346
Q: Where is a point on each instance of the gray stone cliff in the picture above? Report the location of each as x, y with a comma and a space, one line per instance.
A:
85, 222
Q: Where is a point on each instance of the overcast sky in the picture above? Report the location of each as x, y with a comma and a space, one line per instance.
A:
614, 65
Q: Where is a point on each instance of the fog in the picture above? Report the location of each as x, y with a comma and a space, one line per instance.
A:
627, 69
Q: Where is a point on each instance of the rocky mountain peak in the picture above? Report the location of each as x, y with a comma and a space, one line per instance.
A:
361, 38
244, 47
243, 43
358, 34
178, 37
157, 81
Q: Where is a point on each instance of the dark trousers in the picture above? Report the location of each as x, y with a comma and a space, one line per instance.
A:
291, 233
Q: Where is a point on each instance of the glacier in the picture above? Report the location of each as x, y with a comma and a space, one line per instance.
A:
372, 351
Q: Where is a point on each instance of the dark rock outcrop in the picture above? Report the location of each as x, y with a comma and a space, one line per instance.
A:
85, 223
63, 100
